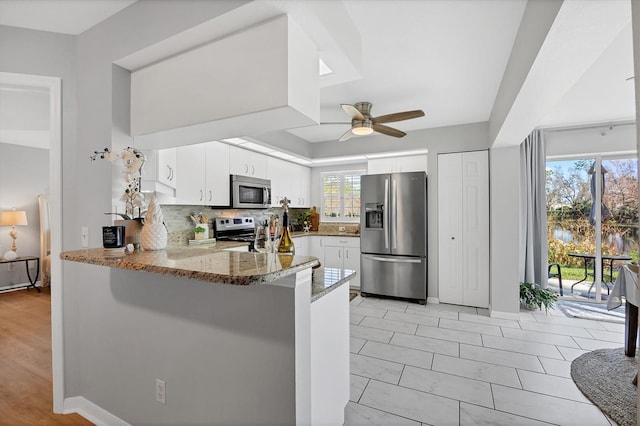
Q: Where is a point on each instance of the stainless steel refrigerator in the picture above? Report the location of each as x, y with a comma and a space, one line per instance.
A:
393, 241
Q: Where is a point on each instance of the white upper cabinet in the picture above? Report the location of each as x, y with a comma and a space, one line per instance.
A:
205, 174
304, 174
159, 171
217, 184
280, 183
289, 180
192, 162
247, 163
408, 163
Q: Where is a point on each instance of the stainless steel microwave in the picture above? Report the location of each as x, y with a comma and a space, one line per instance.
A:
250, 193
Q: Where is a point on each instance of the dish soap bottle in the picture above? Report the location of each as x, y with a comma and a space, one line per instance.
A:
286, 242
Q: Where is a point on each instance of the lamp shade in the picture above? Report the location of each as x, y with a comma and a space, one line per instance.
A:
13, 218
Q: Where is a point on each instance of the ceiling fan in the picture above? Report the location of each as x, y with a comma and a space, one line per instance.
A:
362, 123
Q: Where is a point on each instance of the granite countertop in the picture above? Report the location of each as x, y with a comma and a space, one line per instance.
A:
325, 280
206, 263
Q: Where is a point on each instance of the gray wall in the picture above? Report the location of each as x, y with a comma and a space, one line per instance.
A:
24, 173
505, 229
54, 55
101, 89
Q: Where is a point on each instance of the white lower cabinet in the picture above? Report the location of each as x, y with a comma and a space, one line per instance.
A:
332, 252
344, 253
301, 244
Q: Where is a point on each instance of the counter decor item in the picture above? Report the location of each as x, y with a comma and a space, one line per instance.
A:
263, 242
154, 232
201, 222
13, 218
132, 159
113, 237
315, 219
286, 242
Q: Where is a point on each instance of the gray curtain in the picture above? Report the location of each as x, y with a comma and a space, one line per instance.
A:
533, 211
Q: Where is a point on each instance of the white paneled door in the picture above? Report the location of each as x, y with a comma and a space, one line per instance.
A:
463, 228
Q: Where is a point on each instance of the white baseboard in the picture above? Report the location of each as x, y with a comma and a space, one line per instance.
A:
433, 300
504, 315
21, 286
91, 412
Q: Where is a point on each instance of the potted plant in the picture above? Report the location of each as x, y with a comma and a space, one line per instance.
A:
200, 231
532, 296
133, 217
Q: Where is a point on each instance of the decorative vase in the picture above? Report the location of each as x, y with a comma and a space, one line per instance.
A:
154, 236
154, 233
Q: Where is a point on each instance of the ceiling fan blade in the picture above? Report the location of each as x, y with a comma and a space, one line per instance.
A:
352, 111
347, 135
398, 116
390, 131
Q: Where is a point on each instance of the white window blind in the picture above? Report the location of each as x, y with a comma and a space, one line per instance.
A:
341, 196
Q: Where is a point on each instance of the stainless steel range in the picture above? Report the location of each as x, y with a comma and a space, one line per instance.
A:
235, 229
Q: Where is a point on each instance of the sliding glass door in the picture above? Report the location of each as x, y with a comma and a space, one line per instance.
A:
574, 221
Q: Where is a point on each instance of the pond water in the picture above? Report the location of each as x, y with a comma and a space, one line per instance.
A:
623, 244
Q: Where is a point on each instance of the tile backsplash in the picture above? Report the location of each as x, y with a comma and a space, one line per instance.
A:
180, 227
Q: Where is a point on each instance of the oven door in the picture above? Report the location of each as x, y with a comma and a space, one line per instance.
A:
250, 193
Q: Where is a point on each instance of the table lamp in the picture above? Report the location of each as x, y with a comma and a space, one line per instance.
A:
13, 218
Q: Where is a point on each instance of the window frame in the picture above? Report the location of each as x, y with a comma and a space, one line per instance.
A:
341, 174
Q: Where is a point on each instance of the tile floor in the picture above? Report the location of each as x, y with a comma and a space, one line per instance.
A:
454, 365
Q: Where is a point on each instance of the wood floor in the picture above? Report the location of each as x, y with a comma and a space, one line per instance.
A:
26, 396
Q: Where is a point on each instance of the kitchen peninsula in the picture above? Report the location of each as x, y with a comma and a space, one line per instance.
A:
238, 338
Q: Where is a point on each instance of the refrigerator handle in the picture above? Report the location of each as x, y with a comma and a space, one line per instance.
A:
385, 213
392, 259
394, 203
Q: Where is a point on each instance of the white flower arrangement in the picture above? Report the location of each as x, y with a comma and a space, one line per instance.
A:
133, 159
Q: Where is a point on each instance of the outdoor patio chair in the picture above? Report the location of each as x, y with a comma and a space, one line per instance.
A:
557, 274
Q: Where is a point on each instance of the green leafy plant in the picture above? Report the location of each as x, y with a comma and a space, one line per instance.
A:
532, 296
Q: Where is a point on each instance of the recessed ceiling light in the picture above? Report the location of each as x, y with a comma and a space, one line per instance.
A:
301, 161
340, 159
256, 147
323, 68
235, 141
397, 154
282, 155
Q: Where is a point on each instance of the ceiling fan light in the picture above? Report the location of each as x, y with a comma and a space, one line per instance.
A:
362, 131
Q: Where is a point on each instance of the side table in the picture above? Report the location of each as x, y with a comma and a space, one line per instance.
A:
25, 259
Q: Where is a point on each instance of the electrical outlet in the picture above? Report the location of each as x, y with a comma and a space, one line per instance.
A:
341, 228
161, 391
84, 236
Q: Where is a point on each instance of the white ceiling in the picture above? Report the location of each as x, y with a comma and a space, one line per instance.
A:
446, 57
58, 16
